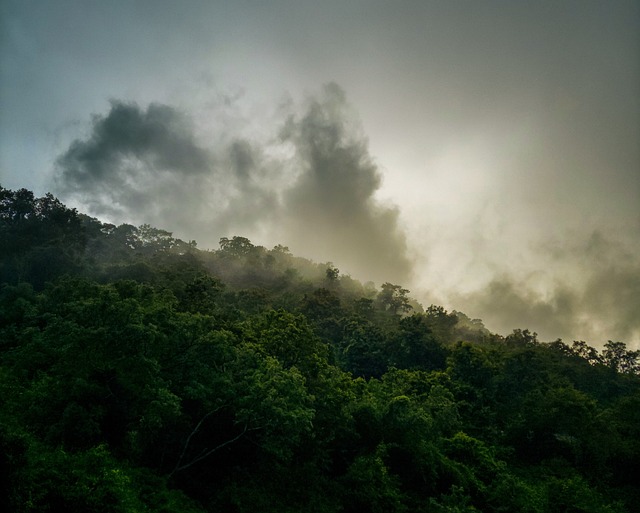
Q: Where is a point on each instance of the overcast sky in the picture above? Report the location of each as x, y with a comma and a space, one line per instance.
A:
484, 154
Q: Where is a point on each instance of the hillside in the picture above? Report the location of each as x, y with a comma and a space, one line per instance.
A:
140, 373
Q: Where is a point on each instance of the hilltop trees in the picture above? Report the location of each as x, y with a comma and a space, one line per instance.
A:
138, 373
40, 238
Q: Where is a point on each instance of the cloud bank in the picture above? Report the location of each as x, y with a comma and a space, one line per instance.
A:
311, 185
589, 290
331, 209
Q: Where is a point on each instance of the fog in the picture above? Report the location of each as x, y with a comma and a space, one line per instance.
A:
484, 155
145, 165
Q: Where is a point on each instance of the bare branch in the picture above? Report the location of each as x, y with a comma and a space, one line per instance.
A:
206, 454
186, 444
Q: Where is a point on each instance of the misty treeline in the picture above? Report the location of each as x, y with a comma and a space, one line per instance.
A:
139, 373
313, 180
306, 177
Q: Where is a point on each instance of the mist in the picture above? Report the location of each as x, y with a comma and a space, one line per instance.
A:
310, 185
310, 182
331, 209
472, 152
582, 289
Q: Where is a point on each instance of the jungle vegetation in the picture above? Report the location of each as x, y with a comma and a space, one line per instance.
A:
139, 373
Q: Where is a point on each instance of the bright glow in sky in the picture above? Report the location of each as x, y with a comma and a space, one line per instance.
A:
485, 154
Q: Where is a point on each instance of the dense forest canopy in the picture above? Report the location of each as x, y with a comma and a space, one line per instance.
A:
140, 373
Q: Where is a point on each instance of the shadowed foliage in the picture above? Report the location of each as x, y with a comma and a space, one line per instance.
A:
138, 373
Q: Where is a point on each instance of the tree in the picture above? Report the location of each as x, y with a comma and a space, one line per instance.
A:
588, 353
40, 238
236, 246
201, 294
616, 356
290, 339
415, 346
332, 274
248, 380
521, 339
362, 349
394, 299
441, 323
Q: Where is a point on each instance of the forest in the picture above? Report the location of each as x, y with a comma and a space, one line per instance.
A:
139, 373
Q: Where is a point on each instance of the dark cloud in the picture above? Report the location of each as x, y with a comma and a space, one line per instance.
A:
132, 159
160, 136
148, 166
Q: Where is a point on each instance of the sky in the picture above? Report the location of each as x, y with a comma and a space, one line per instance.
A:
483, 154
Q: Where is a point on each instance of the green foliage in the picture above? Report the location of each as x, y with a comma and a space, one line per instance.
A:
370, 487
394, 299
416, 345
138, 373
40, 238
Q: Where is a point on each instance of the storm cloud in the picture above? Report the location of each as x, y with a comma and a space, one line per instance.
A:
132, 159
310, 186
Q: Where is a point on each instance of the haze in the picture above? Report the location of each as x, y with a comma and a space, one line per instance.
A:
485, 155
